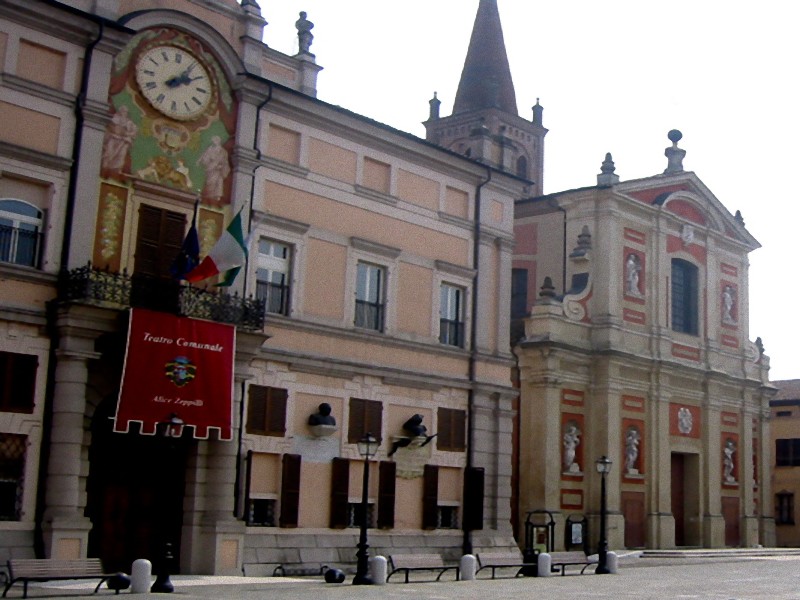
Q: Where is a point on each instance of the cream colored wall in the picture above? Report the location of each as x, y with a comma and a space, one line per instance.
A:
325, 279
456, 203
283, 144
41, 64
414, 290
348, 220
418, 190
408, 504
315, 486
377, 175
331, 160
41, 131
786, 479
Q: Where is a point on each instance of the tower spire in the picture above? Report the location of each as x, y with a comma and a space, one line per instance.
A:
486, 78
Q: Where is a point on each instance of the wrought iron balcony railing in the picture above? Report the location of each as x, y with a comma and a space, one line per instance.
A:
90, 285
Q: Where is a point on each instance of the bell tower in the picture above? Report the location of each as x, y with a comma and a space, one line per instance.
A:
485, 124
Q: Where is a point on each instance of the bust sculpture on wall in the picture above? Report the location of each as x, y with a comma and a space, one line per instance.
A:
415, 430
322, 422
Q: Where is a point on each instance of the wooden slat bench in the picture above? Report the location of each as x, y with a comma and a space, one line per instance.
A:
501, 560
48, 569
420, 562
562, 560
298, 569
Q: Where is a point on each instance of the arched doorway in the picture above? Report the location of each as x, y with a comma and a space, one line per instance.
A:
135, 493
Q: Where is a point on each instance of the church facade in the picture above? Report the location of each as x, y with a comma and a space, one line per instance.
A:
373, 300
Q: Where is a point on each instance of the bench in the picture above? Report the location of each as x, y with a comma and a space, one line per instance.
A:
299, 569
500, 560
561, 560
48, 569
420, 562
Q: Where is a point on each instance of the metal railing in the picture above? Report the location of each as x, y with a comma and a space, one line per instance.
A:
90, 285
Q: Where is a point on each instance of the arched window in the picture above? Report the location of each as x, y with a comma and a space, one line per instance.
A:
522, 167
20, 233
684, 297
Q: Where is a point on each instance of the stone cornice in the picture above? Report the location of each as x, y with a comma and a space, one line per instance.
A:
42, 159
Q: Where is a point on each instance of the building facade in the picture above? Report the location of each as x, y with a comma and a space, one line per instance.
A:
375, 292
785, 429
631, 329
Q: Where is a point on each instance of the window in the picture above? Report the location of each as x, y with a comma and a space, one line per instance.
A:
787, 453
20, 233
448, 517
17, 382
519, 293
451, 316
266, 411
12, 470
452, 430
261, 512
159, 238
783, 413
365, 417
522, 167
784, 508
370, 292
684, 297
272, 276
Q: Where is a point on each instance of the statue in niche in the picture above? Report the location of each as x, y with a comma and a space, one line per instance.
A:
728, 305
632, 439
322, 422
685, 420
571, 442
415, 429
729, 451
633, 266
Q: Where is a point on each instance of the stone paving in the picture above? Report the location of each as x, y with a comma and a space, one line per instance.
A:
725, 578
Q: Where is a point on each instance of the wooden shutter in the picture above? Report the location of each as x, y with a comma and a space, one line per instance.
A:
374, 415
290, 490
256, 408
365, 417
247, 481
17, 381
158, 240
386, 494
276, 411
473, 498
430, 497
340, 484
452, 430
459, 430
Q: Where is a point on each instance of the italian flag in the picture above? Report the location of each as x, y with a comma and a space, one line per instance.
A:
227, 256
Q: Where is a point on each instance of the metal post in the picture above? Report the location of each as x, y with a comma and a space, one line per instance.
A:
362, 567
602, 545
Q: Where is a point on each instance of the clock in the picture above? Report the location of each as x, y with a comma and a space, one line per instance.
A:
175, 82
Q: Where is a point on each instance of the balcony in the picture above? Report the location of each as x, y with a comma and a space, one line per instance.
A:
89, 285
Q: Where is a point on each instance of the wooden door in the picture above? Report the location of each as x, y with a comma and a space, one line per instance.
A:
633, 513
678, 498
730, 514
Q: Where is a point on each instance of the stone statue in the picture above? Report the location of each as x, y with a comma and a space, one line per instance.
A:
729, 451
304, 35
571, 441
633, 267
632, 439
727, 306
323, 416
415, 429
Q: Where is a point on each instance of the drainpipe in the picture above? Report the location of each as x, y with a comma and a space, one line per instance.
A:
237, 485
51, 306
473, 355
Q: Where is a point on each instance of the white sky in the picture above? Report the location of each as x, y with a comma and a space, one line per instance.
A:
613, 76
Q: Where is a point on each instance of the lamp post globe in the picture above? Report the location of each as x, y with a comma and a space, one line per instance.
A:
367, 447
603, 467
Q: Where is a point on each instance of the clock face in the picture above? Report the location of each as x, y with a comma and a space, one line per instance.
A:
174, 82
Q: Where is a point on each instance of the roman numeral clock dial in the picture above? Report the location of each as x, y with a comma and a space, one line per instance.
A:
174, 82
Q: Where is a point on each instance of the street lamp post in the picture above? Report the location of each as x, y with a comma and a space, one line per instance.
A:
367, 447
603, 467
171, 430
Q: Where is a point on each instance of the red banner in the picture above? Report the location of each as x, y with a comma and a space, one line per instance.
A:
177, 367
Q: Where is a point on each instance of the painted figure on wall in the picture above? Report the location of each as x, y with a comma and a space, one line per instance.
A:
215, 164
120, 133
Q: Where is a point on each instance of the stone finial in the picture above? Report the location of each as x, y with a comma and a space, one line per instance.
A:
304, 35
584, 243
537, 113
547, 290
674, 154
252, 4
739, 218
435, 103
607, 176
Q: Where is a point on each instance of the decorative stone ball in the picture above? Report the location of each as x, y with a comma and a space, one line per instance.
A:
119, 582
334, 576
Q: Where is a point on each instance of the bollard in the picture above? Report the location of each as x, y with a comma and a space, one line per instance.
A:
612, 561
544, 564
141, 571
468, 565
378, 570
